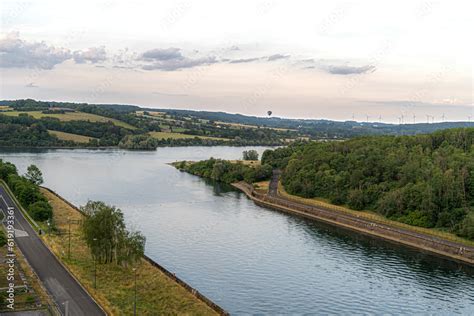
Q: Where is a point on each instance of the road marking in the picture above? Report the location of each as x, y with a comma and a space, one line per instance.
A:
20, 233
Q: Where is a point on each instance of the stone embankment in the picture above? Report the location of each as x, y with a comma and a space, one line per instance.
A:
424, 242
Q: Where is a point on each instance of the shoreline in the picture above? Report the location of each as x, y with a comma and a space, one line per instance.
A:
172, 276
448, 249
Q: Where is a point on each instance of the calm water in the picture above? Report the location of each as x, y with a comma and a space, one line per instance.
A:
248, 259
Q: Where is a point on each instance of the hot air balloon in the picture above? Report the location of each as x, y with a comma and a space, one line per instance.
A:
269, 113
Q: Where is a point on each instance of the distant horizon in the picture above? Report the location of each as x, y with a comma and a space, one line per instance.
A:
264, 116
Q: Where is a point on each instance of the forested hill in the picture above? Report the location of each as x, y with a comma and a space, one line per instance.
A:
211, 123
322, 127
424, 180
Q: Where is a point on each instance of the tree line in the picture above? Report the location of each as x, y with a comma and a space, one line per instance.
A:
226, 171
26, 189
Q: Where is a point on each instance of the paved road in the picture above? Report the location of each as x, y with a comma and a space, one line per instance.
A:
64, 289
273, 187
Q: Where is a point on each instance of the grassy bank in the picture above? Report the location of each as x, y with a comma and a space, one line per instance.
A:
157, 294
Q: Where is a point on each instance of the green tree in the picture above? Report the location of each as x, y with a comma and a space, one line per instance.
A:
34, 175
250, 155
107, 237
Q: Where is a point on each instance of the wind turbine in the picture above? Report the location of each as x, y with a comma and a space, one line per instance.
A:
367, 118
414, 119
443, 117
427, 119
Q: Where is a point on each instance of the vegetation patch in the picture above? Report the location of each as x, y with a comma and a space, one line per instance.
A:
172, 135
226, 171
71, 137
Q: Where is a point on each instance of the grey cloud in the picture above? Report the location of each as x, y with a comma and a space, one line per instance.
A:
170, 59
163, 54
16, 53
244, 60
31, 85
349, 70
93, 55
267, 58
277, 56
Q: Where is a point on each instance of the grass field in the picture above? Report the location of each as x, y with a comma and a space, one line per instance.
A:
374, 217
73, 116
4, 108
73, 137
166, 135
157, 294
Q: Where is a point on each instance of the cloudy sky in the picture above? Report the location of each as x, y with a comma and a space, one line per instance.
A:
307, 59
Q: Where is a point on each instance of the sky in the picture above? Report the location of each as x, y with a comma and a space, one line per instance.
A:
390, 61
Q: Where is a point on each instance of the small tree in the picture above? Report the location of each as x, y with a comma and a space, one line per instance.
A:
107, 237
250, 155
34, 175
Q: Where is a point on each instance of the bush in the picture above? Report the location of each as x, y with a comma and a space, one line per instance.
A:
250, 155
356, 199
3, 238
466, 228
41, 211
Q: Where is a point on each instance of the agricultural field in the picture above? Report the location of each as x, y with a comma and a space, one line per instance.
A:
73, 137
167, 135
72, 116
157, 114
240, 126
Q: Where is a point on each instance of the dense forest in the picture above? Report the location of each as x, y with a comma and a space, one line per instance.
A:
424, 180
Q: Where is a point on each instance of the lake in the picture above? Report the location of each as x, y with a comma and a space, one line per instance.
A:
248, 259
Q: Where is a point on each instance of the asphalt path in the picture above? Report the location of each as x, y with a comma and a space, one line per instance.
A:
68, 294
